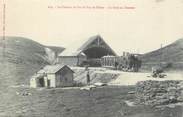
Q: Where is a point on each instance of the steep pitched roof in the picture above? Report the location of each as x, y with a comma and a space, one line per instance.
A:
52, 68
77, 48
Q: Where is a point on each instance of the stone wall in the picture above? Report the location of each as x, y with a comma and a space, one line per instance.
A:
159, 92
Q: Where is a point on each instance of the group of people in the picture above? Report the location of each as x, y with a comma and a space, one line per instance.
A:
131, 64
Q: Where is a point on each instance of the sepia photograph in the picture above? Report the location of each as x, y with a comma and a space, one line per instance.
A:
91, 58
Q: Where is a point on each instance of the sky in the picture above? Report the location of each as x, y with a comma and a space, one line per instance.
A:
141, 29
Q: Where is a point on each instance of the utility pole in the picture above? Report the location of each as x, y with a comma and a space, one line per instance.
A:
4, 26
161, 55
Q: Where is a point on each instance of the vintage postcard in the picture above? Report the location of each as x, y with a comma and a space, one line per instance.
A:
91, 58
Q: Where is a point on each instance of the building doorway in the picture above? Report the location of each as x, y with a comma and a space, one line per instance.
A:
48, 81
41, 82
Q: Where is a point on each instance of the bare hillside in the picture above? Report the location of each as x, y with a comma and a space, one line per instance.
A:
171, 54
20, 58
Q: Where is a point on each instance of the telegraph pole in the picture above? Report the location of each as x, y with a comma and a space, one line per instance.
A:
4, 15
4, 29
161, 54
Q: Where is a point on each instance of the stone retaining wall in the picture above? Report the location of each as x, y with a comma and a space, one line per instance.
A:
159, 92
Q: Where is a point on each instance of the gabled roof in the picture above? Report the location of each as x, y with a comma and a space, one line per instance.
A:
37, 76
52, 69
77, 48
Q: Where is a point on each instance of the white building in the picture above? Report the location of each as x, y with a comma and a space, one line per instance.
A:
53, 76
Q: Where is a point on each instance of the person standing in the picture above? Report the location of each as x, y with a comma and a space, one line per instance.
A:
88, 77
116, 65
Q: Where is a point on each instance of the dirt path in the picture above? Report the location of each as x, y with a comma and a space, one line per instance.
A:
130, 78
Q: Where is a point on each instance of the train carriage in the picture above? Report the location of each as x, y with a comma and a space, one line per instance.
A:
124, 63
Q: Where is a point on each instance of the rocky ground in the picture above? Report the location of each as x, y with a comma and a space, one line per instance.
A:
107, 101
159, 92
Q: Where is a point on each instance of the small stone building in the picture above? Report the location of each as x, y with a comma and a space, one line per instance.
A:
53, 76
